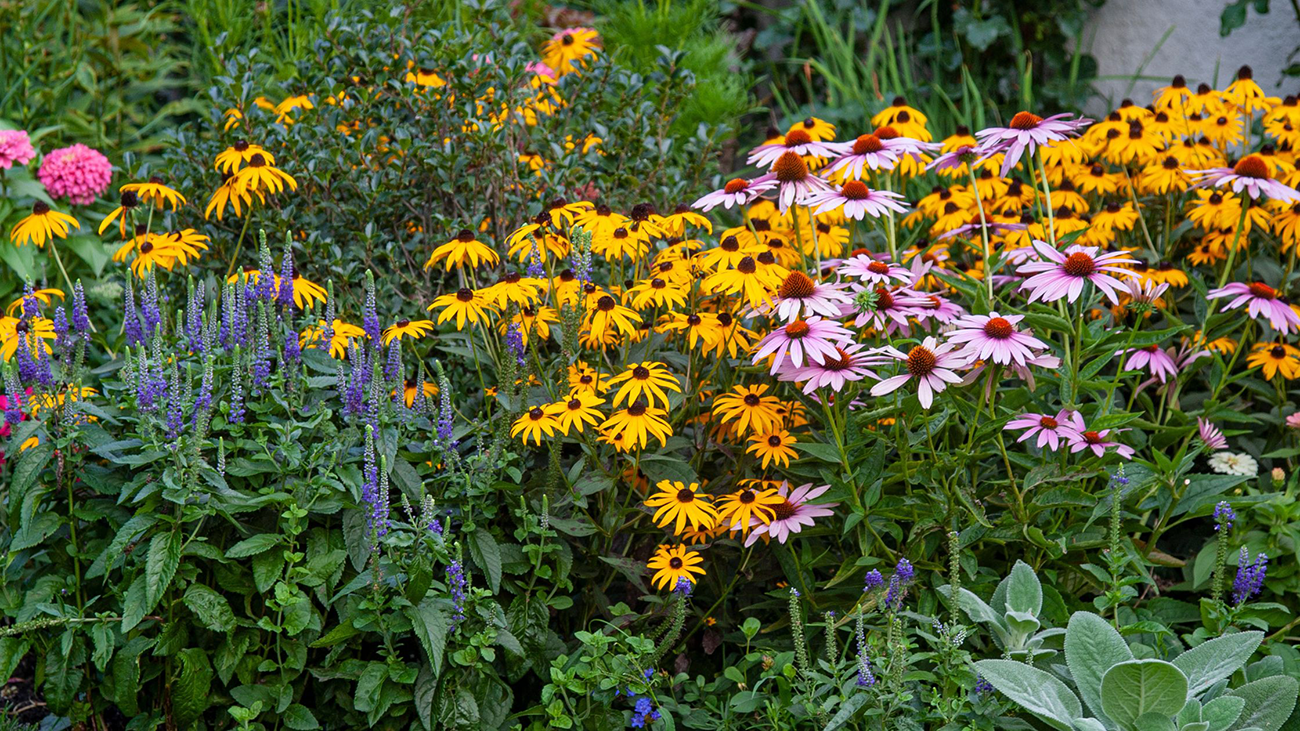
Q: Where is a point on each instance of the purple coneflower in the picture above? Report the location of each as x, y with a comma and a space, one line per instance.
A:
963, 155
737, 192
1024, 134
800, 295
792, 515
1080, 438
870, 270
995, 228
1048, 428
848, 364
857, 200
794, 183
1160, 363
1250, 174
866, 151
930, 363
1210, 436
815, 338
1262, 300
797, 142
995, 337
1063, 274
887, 309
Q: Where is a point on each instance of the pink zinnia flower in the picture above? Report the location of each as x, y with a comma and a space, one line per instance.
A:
15, 148
1025, 133
793, 515
1081, 438
1063, 274
929, 363
1158, 362
797, 141
793, 181
995, 337
800, 295
857, 200
1261, 300
870, 270
737, 192
1251, 174
815, 338
848, 364
1048, 428
1210, 435
77, 172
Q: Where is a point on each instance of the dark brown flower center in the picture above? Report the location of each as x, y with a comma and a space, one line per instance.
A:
783, 510
685, 495
999, 328
693, 319
747, 496
675, 563
641, 373
130, 199
797, 329
731, 243
1252, 166
790, 168
855, 190
773, 441
575, 404
1278, 352
465, 236
920, 361
39, 208
1048, 422
746, 265
1262, 291
797, 137
1079, 264
867, 143
536, 414
256, 161
403, 323
465, 294
797, 285
636, 409
735, 185
567, 39
751, 400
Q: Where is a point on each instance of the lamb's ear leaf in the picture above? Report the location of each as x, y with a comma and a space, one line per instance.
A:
1037, 691
1269, 702
1222, 712
1024, 592
1210, 662
1136, 688
1092, 647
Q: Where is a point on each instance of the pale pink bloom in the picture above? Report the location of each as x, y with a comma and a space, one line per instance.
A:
847, 365
995, 228
1081, 438
939, 308
857, 200
1252, 175
801, 296
1210, 435
1023, 372
867, 151
1293, 420
891, 311
737, 192
77, 173
814, 338
963, 155
1145, 290
995, 337
795, 514
929, 363
870, 270
1063, 274
794, 184
1261, 300
1048, 428
1024, 134
797, 141
15, 148
1160, 363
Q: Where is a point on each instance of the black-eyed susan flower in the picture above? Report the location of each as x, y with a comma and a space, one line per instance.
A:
1245, 94
463, 250
414, 329
1173, 96
44, 296
734, 339
412, 387
239, 154
464, 305
672, 564
44, 223
754, 284
532, 321
262, 176
156, 252
341, 333
636, 425
678, 504
774, 446
155, 193
585, 379
700, 328
577, 412
749, 408
533, 424
569, 50
1275, 358
290, 105
675, 223
34, 330
230, 193
608, 316
129, 202
752, 504
514, 288
648, 380
657, 292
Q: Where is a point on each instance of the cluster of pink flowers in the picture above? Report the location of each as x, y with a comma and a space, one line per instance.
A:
15, 148
1067, 426
79, 173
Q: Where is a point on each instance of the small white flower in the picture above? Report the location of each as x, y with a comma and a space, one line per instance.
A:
1227, 463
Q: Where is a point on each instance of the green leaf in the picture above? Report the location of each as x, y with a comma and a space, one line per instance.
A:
63, 673
1092, 647
1223, 711
1134, 688
133, 606
431, 628
1154, 722
210, 607
369, 685
1037, 691
824, 452
487, 554
253, 545
299, 718
160, 566
1269, 702
1210, 662
847, 711
191, 692
1024, 593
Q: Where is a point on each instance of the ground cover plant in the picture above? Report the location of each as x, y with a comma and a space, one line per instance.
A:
452, 387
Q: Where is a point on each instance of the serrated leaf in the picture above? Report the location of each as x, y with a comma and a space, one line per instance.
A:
191, 690
483, 548
210, 607
253, 545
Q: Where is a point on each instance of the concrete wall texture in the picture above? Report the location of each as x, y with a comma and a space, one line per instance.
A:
1122, 33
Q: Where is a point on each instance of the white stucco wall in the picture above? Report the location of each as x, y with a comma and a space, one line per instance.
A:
1122, 33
